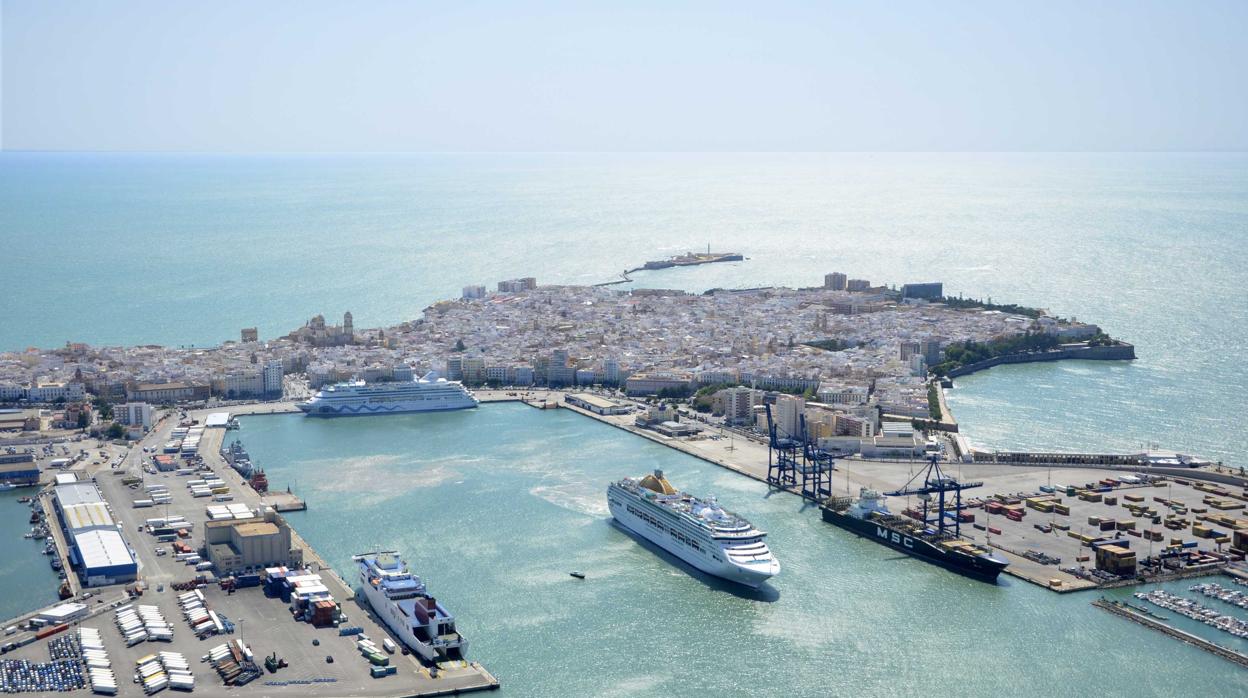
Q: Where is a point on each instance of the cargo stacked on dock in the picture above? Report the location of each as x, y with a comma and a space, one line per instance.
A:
309, 598
235, 663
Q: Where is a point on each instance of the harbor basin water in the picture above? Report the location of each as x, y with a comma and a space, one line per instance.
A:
493, 507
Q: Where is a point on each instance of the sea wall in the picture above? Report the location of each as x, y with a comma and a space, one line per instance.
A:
1116, 352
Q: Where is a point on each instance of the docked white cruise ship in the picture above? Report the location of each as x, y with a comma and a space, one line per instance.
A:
427, 394
400, 599
697, 531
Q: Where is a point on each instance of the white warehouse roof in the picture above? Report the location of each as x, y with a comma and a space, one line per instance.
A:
103, 548
77, 493
217, 419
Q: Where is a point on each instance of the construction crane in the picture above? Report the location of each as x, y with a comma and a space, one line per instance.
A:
781, 455
935, 481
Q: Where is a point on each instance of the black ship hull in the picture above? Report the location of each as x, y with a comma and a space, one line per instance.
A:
983, 568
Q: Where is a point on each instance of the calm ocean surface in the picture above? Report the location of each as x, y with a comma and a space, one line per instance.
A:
495, 506
187, 249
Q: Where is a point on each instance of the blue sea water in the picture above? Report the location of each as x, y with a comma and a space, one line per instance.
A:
496, 505
187, 249
493, 507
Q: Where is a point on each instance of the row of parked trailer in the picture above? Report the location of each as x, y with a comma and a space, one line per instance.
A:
203, 620
141, 623
156, 495
99, 667
162, 670
209, 486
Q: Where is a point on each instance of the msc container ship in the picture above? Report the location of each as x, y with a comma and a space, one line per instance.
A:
869, 517
427, 394
697, 531
399, 598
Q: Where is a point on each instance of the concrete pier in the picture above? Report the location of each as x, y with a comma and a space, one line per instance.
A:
1211, 647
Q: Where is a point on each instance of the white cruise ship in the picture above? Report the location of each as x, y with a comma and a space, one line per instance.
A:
399, 598
427, 394
697, 531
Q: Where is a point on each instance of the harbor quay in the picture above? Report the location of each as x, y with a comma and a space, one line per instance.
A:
1051, 544
316, 661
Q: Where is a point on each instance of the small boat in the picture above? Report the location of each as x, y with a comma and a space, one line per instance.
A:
6, 486
578, 575
23, 500
65, 591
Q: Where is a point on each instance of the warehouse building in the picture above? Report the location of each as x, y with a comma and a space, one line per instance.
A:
96, 548
102, 557
19, 468
595, 404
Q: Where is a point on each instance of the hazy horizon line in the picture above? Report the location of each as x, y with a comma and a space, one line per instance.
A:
1228, 151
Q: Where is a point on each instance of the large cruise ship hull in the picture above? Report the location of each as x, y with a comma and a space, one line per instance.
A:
367, 409
700, 554
976, 567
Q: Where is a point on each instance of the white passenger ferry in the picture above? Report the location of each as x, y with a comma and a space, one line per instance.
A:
697, 531
399, 598
427, 394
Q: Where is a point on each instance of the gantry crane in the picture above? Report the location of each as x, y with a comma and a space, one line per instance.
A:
935, 481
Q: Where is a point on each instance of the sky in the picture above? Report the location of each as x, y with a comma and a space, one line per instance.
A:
467, 75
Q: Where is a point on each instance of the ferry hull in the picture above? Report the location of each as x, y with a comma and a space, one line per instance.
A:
976, 567
712, 561
395, 623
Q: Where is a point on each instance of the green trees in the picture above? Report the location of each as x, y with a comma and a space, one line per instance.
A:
115, 431
963, 353
830, 344
933, 401
989, 305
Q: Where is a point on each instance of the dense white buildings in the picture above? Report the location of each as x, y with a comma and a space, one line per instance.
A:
844, 349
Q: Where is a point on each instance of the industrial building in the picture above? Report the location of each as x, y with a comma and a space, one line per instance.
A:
19, 468
595, 404
235, 545
25, 420
96, 548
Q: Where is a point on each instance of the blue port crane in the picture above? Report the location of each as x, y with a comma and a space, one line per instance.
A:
935, 481
816, 468
781, 455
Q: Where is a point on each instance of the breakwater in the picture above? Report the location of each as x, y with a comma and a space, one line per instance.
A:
1194, 640
1115, 352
